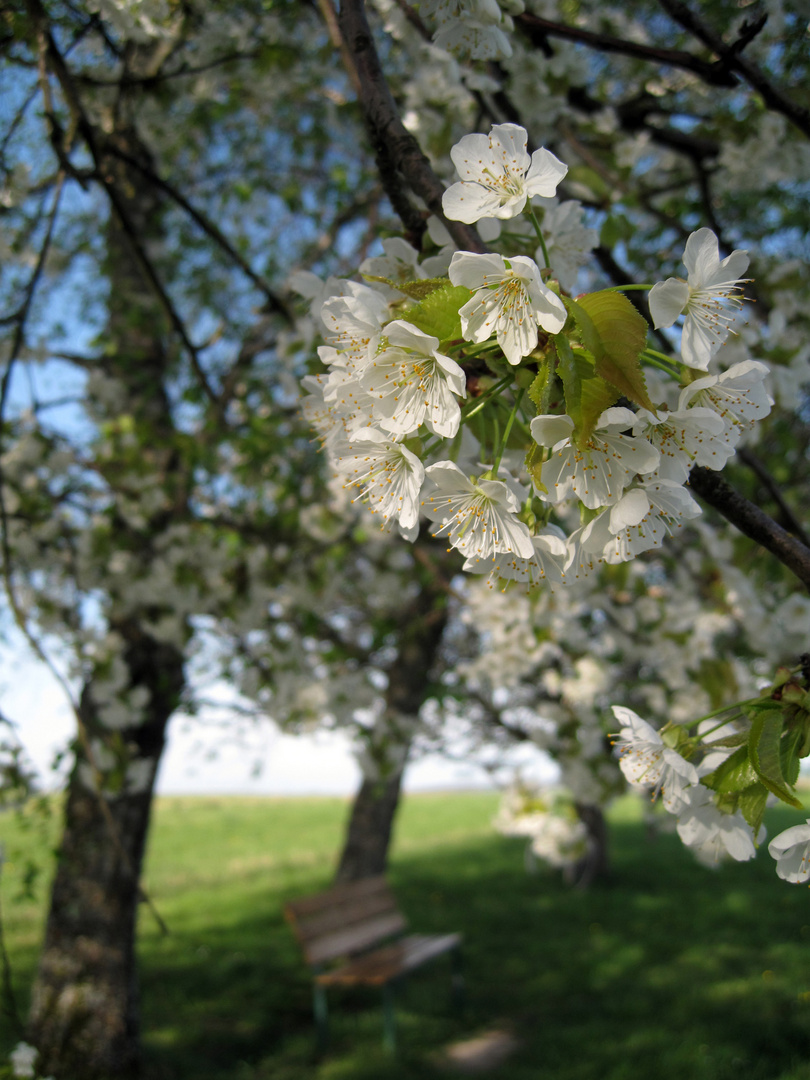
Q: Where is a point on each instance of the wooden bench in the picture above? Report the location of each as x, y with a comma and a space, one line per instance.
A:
341, 932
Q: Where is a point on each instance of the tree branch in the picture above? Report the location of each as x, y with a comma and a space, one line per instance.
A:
731, 61
385, 127
52, 60
209, 228
536, 29
752, 522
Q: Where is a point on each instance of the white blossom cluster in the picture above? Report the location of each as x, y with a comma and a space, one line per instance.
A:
393, 405
23, 1061
472, 28
548, 821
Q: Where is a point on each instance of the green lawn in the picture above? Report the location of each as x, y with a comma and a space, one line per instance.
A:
671, 970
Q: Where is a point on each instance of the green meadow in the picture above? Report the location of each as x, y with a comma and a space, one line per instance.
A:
670, 970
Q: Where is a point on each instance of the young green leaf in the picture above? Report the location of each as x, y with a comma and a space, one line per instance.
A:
614, 332
437, 314
764, 747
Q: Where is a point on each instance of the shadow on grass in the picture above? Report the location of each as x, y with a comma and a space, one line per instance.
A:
669, 968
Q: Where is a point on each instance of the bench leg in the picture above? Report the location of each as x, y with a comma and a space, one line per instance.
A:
457, 988
321, 1015
389, 1019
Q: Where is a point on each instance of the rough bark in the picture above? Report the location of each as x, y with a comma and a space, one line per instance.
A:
84, 1016
84, 1010
368, 835
594, 866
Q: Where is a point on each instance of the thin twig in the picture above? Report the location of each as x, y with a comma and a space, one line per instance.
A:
208, 227
731, 60
792, 523
752, 522
536, 29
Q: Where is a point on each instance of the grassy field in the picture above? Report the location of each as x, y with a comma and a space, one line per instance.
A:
670, 969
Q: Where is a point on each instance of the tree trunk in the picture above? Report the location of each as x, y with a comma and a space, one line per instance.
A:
594, 865
84, 1009
368, 836
84, 1012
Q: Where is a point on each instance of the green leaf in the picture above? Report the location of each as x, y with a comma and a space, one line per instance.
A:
437, 314
534, 463
752, 804
765, 752
537, 389
597, 395
734, 774
417, 290
789, 755
614, 332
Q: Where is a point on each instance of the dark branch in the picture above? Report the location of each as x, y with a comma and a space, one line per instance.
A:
538, 29
789, 519
385, 126
752, 522
209, 228
730, 61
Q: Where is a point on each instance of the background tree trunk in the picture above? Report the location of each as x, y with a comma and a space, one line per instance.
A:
594, 865
84, 1016
368, 835
84, 1010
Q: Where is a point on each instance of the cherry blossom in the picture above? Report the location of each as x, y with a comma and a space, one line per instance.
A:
683, 438
389, 475
791, 849
599, 471
707, 298
479, 519
544, 567
639, 521
646, 760
498, 176
510, 301
411, 383
711, 833
568, 242
738, 395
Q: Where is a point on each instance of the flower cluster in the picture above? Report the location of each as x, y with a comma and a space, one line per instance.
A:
717, 817
501, 409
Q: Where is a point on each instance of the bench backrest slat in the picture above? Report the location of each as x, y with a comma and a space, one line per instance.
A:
345, 920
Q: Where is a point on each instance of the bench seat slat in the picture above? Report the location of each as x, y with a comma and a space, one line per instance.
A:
383, 965
352, 939
342, 916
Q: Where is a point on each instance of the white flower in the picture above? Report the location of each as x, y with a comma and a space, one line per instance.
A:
498, 176
598, 472
712, 287
510, 301
568, 242
646, 760
354, 322
22, 1059
639, 521
479, 519
398, 264
738, 395
711, 833
476, 38
791, 849
389, 475
412, 383
544, 566
685, 438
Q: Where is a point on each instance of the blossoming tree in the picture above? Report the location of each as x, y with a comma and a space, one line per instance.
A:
511, 358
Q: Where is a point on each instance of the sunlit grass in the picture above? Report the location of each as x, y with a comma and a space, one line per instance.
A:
670, 969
